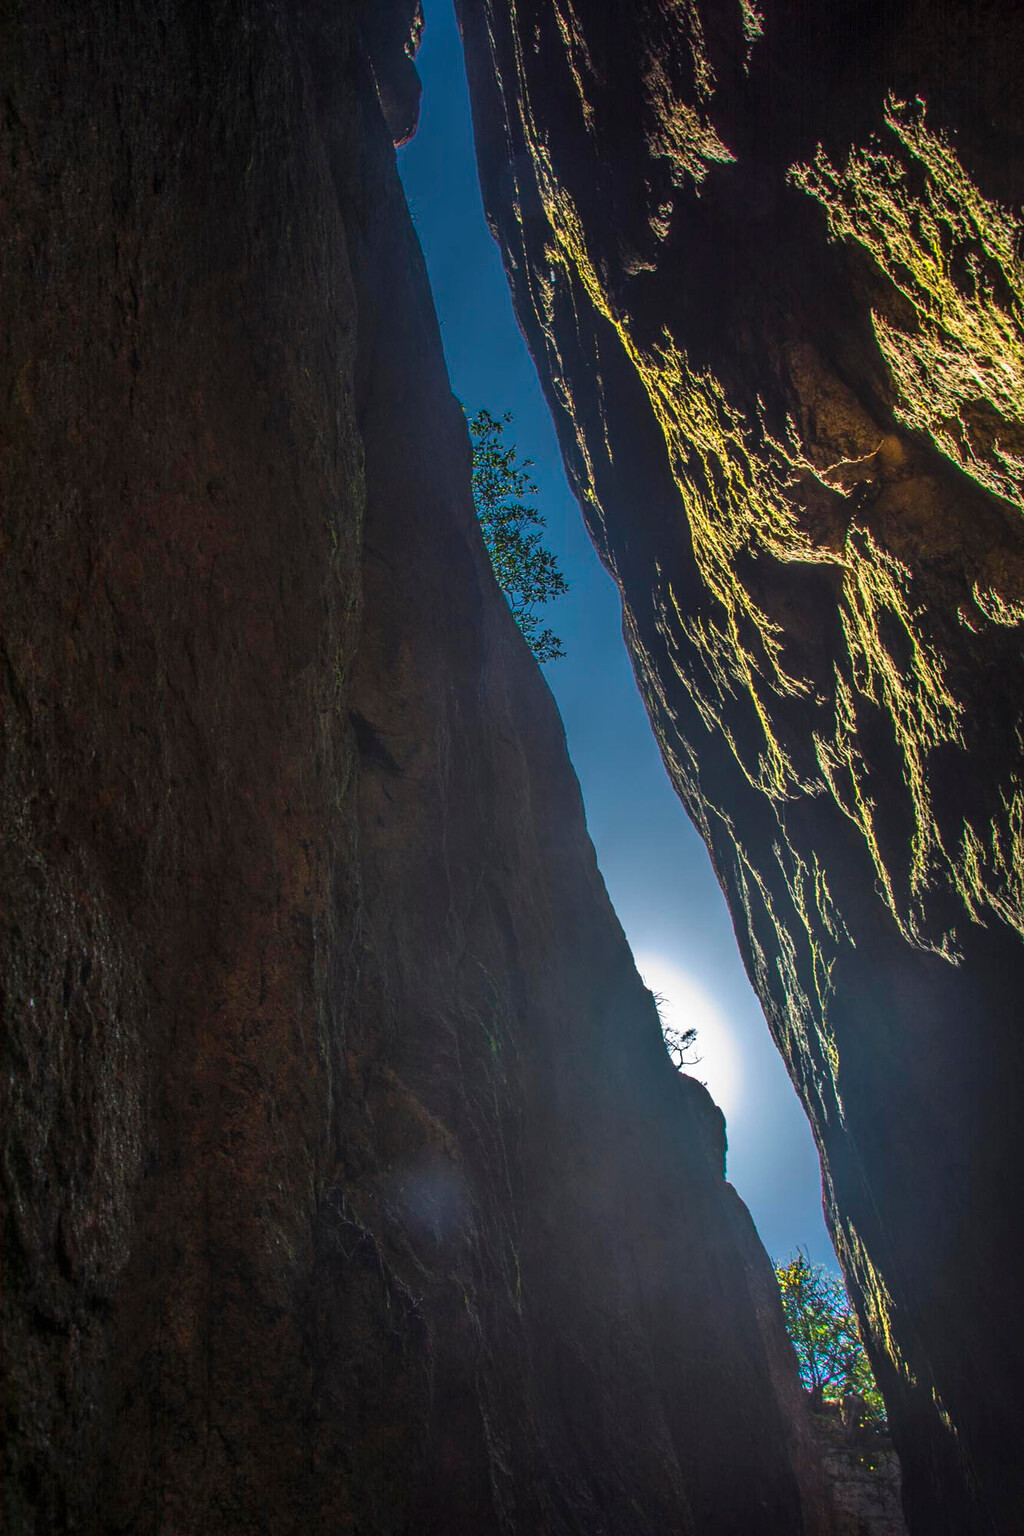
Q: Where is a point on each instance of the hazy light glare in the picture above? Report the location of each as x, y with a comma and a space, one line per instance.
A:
655, 866
684, 1004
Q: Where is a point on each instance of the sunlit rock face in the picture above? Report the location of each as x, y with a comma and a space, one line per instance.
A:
346, 1185
767, 263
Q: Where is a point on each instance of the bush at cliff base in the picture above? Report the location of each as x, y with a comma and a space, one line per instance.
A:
823, 1327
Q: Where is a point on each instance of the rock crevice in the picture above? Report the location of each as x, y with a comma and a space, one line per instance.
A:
346, 1185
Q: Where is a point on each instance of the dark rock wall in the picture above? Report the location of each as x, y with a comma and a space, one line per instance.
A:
769, 269
346, 1185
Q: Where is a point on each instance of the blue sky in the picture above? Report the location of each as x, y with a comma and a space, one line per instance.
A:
654, 864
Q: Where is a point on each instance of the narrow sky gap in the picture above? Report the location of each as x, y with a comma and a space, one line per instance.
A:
656, 867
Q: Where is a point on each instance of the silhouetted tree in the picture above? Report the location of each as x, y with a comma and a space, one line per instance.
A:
527, 573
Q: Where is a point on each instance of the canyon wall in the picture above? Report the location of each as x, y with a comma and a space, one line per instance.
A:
345, 1182
769, 266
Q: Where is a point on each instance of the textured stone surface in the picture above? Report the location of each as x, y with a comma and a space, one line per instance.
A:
769, 270
863, 1475
346, 1185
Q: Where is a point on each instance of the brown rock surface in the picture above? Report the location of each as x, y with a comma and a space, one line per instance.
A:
346, 1185
768, 265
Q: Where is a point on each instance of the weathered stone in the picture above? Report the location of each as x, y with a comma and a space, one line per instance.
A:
767, 271
346, 1185
391, 37
863, 1475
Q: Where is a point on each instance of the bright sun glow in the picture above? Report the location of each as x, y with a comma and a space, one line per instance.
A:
684, 1004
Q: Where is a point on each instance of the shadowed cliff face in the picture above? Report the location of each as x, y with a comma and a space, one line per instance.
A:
770, 278
345, 1182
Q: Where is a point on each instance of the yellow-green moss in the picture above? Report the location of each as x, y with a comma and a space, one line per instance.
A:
997, 609
990, 870
951, 253
952, 341
744, 492
877, 1299
739, 486
576, 52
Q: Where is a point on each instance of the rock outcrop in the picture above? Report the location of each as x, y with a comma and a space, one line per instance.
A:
346, 1185
863, 1474
767, 263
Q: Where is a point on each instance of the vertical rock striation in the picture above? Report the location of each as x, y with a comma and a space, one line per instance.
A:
770, 272
345, 1184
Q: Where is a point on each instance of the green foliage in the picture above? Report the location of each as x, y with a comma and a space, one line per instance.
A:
526, 572
823, 1328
